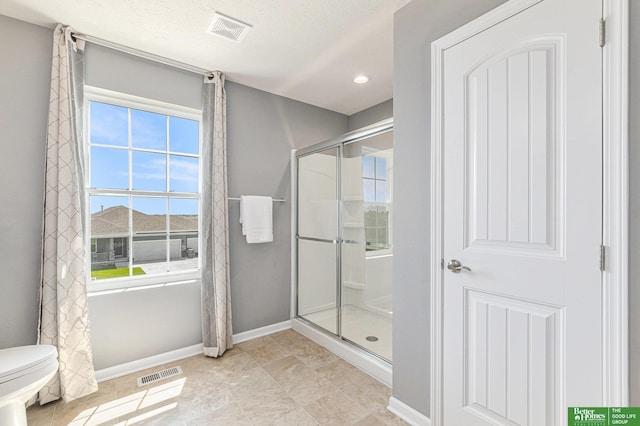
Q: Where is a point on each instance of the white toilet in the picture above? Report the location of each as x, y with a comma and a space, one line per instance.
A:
23, 372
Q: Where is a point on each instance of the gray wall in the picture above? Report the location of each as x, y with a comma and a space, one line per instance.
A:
138, 324
415, 26
113, 70
371, 115
134, 325
262, 130
634, 234
25, 71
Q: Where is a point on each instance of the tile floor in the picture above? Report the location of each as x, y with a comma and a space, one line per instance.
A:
281, 379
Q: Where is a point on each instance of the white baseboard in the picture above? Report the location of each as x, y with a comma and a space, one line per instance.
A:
262, 331
408, 414
164, 358
149, 362
376, 368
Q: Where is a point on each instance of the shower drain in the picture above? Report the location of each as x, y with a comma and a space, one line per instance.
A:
372, 338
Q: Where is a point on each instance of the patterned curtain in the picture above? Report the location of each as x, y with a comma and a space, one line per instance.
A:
63, 299
216, 292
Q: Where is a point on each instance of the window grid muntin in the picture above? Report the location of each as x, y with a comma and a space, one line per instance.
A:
376, 180
168, 111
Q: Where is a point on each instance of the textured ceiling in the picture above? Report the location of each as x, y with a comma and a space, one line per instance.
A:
308, 50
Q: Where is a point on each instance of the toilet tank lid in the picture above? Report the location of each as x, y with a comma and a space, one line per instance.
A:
13, 360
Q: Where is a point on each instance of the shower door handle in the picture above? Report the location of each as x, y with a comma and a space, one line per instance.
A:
455, 266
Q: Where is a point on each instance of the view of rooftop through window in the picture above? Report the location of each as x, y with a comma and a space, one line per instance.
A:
144, 184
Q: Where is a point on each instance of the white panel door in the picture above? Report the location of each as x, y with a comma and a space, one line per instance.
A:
522, 209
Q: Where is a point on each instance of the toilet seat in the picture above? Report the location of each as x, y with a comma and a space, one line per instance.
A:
23, 372
23, 360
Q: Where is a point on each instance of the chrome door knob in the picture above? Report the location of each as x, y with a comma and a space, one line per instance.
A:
455, 266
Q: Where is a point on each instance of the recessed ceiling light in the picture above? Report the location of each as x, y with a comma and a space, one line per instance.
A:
361, 79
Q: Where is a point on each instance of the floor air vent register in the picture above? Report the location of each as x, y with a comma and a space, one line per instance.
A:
159, 375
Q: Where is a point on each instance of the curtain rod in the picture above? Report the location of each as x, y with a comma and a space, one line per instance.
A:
141, 54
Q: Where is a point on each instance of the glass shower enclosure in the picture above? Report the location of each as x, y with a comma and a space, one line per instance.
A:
345, 237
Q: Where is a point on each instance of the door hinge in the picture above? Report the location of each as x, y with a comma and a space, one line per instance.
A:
602, 257
602, 32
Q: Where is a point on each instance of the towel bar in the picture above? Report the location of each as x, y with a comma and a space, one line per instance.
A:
238, 199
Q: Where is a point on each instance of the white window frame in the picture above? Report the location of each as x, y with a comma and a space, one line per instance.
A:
388, 204
131, 283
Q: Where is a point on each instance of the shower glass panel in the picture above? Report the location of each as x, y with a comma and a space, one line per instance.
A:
317, 297
367, 251
318, 248
345, 237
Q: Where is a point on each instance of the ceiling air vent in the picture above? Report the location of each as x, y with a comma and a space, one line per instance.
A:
227, 27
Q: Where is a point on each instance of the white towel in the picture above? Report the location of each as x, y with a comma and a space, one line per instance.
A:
256, 217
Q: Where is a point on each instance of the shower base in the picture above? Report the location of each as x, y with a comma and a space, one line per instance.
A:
365, 361
357, 325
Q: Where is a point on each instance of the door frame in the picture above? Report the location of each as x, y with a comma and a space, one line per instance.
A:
615, 197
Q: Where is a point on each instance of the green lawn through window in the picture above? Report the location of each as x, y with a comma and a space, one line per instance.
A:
115, 273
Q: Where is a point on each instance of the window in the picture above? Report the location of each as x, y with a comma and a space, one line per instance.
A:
143, 180
376, 203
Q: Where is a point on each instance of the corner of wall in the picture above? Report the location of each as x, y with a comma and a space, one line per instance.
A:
371, 115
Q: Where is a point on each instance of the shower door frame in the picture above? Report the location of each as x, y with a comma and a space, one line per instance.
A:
338, 143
